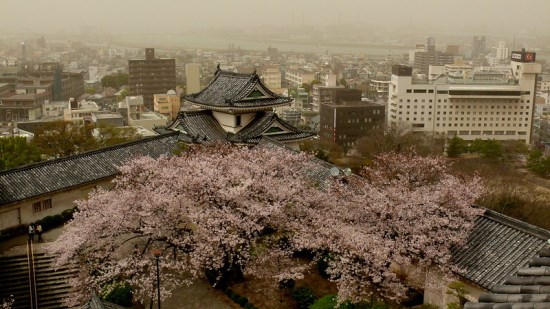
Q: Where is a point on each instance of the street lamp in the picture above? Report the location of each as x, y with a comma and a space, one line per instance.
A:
157, 254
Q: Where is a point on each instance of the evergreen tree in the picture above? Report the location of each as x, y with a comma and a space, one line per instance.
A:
15, 151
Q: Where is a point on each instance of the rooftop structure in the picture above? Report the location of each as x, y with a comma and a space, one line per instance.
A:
236, 108
73, 171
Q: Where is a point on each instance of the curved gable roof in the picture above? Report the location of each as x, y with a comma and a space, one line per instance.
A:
232, 90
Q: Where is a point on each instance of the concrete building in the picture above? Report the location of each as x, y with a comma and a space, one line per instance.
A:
337, 94
418, 48
423, 60
347, 121
138, 116
167, 104
50, 77
478, 47
21, 107
327, 79
380, 86
151, 75
271, 76
299, 76
499, 55
54, 108
193, 77
470, 109
82, 114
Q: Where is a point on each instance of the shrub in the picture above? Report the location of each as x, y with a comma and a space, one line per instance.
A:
241, 300
119, 293
303, 296
48, 222
67, 214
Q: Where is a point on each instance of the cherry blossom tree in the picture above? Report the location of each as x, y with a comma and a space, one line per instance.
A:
6, 303
223, 207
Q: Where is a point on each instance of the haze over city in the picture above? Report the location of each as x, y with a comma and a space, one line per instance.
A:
169, 16
282, 154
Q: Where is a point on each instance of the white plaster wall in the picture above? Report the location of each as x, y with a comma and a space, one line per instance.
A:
227, 121
9, 215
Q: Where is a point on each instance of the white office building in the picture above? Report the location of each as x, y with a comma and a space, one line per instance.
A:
468, 108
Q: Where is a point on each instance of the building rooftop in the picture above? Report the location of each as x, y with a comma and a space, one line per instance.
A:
73, 171
235, 91
497, 247
21, 97
201, 127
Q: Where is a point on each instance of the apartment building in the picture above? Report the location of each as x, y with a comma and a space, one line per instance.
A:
167, 104
299, 76
470, 108
347, 121
150, 76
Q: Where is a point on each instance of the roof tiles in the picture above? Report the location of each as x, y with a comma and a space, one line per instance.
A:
60, 174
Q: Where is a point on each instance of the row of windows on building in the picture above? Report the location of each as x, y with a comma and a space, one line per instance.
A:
466, 101
373, 112
468, 107
452, 133
485, 118
41, 205
480, 125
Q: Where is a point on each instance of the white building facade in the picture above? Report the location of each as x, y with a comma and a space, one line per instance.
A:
471, 110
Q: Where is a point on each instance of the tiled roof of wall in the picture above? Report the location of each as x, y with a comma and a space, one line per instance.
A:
63, 173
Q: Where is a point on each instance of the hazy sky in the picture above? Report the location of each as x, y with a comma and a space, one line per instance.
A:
137, 16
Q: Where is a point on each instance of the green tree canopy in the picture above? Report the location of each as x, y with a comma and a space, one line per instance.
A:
456, 147
489, 149
115, 80
15, 151
63, 138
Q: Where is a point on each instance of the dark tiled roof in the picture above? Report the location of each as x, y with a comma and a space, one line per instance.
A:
497, 247
198, 127
230, 90
202, 127
60, 174
529, 288
253, 132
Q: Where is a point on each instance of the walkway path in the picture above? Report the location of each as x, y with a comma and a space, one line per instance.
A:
199, 295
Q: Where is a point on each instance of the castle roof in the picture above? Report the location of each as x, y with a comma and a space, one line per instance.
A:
230, 91
201, 127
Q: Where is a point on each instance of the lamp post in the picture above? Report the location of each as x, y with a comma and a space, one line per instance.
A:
157, 254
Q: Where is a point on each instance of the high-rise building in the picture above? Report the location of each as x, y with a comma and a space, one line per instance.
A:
193, 77
423, 59
470, 109
499, 55
478, 47
271, 76
430, 44
150, 76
